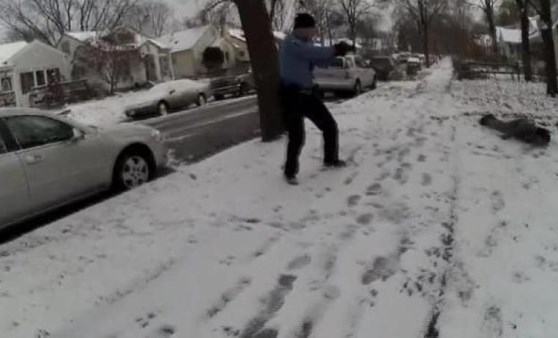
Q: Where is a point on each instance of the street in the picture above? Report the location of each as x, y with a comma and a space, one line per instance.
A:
198, 133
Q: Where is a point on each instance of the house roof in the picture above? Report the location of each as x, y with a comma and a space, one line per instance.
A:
184, 40
508, 35
92, 36
239, 34
10, 49
84, 36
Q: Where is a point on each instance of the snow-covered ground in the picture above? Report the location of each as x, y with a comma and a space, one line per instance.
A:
437, 228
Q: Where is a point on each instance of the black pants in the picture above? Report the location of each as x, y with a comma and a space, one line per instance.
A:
296, 106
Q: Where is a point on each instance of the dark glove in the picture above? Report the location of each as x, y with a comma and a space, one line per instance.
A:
342, 48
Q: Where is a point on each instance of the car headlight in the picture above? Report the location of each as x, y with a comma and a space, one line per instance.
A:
157, 135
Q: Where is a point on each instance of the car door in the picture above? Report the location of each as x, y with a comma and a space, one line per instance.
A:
59, 164
366, 75
332, 75
14, 191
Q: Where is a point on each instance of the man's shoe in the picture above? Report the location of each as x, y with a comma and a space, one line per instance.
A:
292, 180
335, 164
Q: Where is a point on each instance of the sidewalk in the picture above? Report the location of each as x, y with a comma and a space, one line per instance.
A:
436, 227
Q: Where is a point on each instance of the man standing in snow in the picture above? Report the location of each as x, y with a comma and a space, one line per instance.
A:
298, 57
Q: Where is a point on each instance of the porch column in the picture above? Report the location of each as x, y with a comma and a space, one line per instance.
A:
158, 73
16, 88
171, 65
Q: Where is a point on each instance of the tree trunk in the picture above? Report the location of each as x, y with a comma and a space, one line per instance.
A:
489, 11
256, 24
525, 47
426, 36
549, 52
329, 31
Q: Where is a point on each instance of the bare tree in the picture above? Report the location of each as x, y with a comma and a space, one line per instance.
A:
48, 20
151, 17
423, 13
544, 9
322, 11
109, 62
488, 8
355, 10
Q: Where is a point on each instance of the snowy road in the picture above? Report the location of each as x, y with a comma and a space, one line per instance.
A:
437, 228
201, 132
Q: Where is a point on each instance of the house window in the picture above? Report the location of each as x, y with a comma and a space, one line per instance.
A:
6, 84
53, 75
41, 79
241, 54
27, 82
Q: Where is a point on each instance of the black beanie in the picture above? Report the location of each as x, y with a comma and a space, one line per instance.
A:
304, 20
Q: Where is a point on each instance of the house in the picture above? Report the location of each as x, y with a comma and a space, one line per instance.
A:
188, 46
239, 41
509, 42
122, 58
25, 66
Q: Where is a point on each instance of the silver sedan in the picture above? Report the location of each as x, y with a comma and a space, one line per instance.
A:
47, 161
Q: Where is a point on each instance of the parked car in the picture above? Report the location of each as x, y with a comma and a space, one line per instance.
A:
47, 161
413, 66
238, 85
169, 96
384, 66
345, 74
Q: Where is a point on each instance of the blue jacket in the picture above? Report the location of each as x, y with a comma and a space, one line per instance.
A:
297, 61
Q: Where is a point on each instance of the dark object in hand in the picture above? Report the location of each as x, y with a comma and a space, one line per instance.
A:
342, 48
521, 129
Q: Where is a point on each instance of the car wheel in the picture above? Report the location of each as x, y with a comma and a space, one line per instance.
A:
242, 90
219, 97
357, 90
163, 108
132, 170
202, 100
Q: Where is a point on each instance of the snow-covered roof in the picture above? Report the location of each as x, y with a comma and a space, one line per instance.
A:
508, 35
84, 36
184, 40
239, 34
10, 49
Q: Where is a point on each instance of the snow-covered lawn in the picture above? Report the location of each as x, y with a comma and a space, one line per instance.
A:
105, 111
436, 227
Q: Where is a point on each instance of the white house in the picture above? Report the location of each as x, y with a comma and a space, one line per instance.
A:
149, 59
187, 48
24, 66
509, 42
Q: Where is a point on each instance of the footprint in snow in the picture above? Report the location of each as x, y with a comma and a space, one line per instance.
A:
382, 268
165, 331
492, 326
299, 262
365, 219
426, 179
353, 200
497, 201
